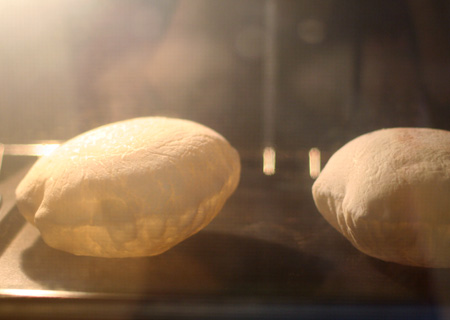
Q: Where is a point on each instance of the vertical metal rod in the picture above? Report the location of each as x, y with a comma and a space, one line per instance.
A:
270, 71
2, 148
357, 72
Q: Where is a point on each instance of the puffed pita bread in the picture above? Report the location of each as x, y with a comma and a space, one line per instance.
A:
388, 193
132, 188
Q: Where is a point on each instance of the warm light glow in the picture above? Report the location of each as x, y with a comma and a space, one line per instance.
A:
2, 148
269, 156
35, 293
45, 149
30, 149
314, 163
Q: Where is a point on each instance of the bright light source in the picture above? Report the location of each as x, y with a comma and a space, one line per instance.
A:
27, 293
35, 149
37, 293
269, 157
314, 163
45, 149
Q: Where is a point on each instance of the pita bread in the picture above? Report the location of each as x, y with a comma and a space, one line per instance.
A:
388, 193
131, 188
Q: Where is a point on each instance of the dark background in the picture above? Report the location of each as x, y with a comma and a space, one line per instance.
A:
344, 67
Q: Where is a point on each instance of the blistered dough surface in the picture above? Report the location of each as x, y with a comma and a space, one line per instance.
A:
388, 193
132, 188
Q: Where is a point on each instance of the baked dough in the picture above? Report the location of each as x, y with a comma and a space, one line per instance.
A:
132, 188
388, 193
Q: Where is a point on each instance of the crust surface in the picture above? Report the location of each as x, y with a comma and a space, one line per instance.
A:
132, 188
388, 193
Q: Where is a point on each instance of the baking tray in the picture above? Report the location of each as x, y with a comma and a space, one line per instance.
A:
268, 254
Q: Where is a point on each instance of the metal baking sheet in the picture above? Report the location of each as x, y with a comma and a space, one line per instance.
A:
268, 252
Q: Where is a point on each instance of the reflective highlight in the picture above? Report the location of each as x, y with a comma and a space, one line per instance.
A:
30, 149
269, 159
314, 163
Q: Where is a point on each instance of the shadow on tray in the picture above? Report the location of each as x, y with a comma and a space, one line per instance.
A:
206, 264
10, 225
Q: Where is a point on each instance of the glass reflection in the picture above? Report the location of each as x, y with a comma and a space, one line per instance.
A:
314, 162
269, 157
